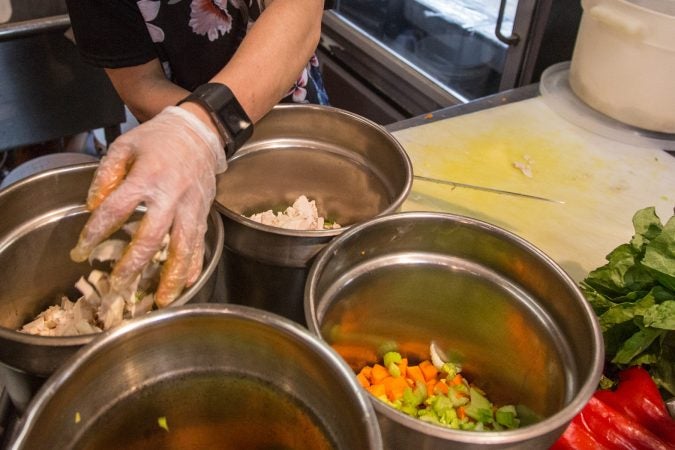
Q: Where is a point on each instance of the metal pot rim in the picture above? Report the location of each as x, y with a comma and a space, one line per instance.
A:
205, 310
549, 424
74, 341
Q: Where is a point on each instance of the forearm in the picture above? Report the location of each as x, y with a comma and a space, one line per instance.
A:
145, 89
273, 53
264, 68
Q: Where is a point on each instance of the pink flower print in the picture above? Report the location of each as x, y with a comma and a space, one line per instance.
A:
149, 10
314, 61
298, 90
210, 17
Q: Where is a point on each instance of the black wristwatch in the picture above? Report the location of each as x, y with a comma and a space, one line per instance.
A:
232, 122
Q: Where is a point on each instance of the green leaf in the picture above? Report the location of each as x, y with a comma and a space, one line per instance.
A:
660, 256
615, 337
633, 296
610, 278
599, 302
661, 316
663, 371
636, 344
624, 312
647, 226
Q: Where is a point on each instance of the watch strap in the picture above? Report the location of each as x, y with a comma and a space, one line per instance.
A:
232, 122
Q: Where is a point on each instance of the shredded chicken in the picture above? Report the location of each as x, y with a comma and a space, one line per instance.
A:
525, 167
303, 215
99, 307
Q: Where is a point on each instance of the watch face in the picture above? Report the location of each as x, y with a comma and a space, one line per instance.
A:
232, 122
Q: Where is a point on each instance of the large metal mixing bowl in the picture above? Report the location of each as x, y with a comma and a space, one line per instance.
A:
42, 216
354, 170
214, 376
511, 316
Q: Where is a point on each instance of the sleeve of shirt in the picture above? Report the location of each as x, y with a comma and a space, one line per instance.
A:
110, 33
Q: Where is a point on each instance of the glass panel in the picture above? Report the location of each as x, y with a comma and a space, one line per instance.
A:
451, 41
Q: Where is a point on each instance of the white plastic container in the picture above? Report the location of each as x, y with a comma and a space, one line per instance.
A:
624, 61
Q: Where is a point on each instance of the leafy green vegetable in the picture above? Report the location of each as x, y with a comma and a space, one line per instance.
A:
633, 296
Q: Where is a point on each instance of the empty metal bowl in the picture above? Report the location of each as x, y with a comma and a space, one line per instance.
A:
42, 218
202, 376
351, 167
514, 320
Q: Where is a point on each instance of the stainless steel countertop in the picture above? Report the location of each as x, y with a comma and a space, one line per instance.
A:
491, 101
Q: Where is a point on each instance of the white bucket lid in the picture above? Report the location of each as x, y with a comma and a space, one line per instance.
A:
661, 6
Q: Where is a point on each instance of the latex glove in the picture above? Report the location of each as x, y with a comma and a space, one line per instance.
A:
169, 164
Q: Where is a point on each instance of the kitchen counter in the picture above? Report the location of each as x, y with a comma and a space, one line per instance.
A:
515, 141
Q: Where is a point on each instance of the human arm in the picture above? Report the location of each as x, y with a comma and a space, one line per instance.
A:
273, 53
140, 169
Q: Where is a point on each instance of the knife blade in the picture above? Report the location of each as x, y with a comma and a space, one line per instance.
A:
486, 189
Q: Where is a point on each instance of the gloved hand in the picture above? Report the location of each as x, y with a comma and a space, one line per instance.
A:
169, 164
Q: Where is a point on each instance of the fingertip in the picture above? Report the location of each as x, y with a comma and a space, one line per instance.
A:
79, 254
166, 295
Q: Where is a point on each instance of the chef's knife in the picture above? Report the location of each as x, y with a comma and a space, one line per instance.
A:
486, 189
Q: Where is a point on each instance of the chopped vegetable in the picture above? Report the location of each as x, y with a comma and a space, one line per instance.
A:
78, 418
609, 428
637, 397
162, 422
634, 298
435, 393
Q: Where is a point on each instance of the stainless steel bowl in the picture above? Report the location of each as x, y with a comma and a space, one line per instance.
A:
516, 321
215, 376
352, 167
42, 217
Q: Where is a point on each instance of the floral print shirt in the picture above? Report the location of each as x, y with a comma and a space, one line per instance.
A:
193, 39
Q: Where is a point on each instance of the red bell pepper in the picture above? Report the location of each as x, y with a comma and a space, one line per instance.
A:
616, 430
638, 397
577, 437
634, 416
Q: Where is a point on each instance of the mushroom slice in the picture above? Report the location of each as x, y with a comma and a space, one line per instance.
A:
88, 291
108, 250
111, 312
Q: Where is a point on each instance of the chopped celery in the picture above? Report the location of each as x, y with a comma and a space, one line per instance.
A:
411, 398
458, 395
390, 360
391, 357
442, 397
507, 416
479, 408
450, 370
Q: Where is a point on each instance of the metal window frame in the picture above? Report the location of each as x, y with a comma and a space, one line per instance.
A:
409, 87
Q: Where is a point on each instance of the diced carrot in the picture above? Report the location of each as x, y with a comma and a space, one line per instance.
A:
461, 413
428, 370
430, 387
367, 372
394, 387
378, 373
363, 380
415, 373
403, 366
440, 387
457, 379
355, 355
377, 390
